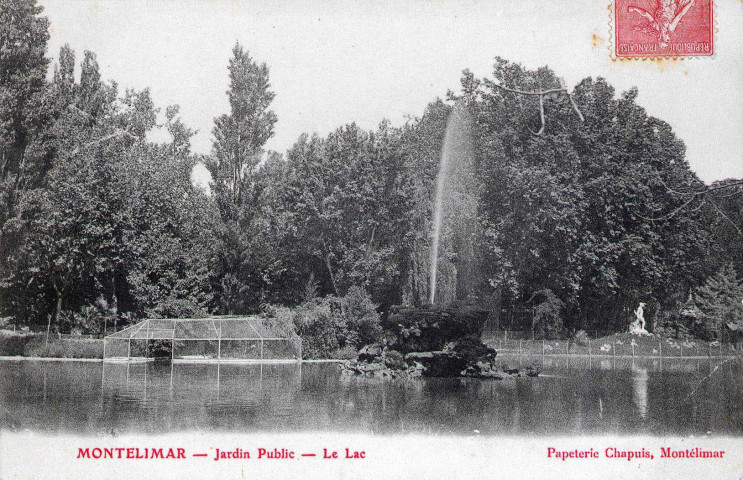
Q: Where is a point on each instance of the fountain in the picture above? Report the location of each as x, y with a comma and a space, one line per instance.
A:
443, 337
455, 206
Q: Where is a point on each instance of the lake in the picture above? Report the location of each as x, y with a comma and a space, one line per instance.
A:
574, 396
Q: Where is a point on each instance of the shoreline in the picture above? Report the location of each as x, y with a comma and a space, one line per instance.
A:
21, 358
587, 355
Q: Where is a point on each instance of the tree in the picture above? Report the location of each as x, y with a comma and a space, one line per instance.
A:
347, 197
239, 137
547, 313
23, 39
719, 301
168, 231
722, 212
568, 208
69, 244
238, 147
114, 219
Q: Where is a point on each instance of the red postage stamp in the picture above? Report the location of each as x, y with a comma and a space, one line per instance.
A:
663, 28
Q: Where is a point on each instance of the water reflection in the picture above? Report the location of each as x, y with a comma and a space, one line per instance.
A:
574, 396
640, 389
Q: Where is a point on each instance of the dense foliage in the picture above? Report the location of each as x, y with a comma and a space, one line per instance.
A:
718, 304
576, 221
332, 327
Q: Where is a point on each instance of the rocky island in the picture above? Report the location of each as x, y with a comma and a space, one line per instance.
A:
432, 341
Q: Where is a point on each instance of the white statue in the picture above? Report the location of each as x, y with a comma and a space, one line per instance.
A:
637, 327
640, 315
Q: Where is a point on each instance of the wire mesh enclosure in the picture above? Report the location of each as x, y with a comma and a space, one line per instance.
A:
212, 339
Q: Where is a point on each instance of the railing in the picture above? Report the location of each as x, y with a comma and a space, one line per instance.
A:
664, 348
74, 336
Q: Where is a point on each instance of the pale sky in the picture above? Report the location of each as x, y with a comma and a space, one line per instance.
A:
333, 63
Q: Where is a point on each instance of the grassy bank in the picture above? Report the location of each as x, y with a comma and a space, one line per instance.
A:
35, 345
620, 344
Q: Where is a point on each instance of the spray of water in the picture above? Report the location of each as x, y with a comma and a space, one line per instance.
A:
452, 184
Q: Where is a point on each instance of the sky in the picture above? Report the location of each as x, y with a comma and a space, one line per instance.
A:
336, 62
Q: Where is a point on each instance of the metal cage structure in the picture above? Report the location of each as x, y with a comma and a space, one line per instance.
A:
210, 339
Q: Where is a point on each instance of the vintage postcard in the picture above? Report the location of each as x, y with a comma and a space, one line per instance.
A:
364, 239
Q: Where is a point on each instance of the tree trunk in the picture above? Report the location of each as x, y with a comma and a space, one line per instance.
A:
114, 297
414, 276
326, 257
330, 272
48, 327
57, 310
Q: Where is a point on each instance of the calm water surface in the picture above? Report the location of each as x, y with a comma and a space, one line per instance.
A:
574, 396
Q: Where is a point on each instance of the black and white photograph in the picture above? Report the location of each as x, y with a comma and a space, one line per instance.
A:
371, 239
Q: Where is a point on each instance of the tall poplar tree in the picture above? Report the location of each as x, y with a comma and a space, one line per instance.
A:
239, 138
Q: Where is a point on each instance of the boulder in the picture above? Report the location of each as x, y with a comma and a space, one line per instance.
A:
510, 369
471, 349
484, 370
371, 353
430, 328
394, 360
416, 370
437, 364
367, 369
432, 341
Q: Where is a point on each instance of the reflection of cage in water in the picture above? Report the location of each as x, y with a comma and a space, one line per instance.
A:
209, 339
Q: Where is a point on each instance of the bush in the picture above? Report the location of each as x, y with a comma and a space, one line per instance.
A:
332, 327
361, 317
63, 348
675, 329
394, 360
88, 319
13, 344
581, 338
345, 353
548, 313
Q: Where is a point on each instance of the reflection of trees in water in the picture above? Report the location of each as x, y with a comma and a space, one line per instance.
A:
283, 398
640, 389
200, 395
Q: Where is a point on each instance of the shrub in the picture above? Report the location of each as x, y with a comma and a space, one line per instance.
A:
548, 313
345, 353
394, 360
361, 316
332, 327
581, 338
64, 348
674, 328
13, 344
88, 319
321, 330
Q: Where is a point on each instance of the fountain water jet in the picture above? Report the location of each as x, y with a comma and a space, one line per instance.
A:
456, 201
444, 339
